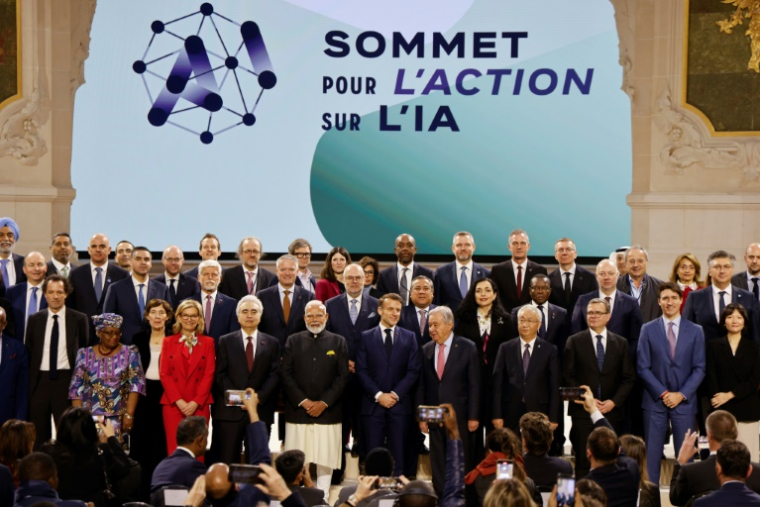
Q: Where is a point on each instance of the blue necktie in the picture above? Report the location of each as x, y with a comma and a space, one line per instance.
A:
721, 303
33, 303
4, 270
98, 283
463, 282
600, 363
353, 311
141, 299
755, 290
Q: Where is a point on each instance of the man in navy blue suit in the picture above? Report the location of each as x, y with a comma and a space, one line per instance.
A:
26, 297
453, 280
128, 297
733, 467
14, 376
554, 318
182, 467
284, 303
387, 366
397, 279
11, 264
209, 249
218, 309
414, 316
671, 364
179, 284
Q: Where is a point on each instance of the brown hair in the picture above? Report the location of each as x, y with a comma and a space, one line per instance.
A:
154, 303
697, 268
392, 297
536, 430
16, 441
327, 270
636, 449
510, 492
369, 261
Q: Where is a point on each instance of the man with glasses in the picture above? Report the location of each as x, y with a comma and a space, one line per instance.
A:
601, 360
248, 278
180, 285
301, 250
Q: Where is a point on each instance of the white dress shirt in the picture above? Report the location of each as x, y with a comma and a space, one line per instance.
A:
594, 340
468, 273
253, 342
11, 272
137, 283
612, 296
63, 358
676, 325
282, 290
305, 278
59, 267
572, 275
400, 272
716, 299
203, 304
169, 279
29, 288
94, 273
255, 278
524, 267
531, 344
358, 302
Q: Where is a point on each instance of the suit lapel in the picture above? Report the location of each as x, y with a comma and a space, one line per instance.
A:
609, 353
534, 357
6, 354
71, 340
453, 354
363, 312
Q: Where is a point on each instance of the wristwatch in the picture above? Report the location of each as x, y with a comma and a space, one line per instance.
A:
352, 501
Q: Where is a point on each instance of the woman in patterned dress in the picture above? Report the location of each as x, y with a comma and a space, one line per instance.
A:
108, 377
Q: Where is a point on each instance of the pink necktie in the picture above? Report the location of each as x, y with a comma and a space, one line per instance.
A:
441, 360
672, 340
423, 321
250, 281
485, 346
208, 313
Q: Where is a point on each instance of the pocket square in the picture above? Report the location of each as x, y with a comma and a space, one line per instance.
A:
330, 352
371, 315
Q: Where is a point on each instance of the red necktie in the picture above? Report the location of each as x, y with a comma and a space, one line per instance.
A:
249, 353
250, 281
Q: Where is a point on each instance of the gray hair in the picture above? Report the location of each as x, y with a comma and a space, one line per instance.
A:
286, 257
600, 301
251, 238
422, 278
446, 313
249, 299
637, 247
606, 261
355, 265
721, 254
210, 263
517, 232
532, 309
462, 233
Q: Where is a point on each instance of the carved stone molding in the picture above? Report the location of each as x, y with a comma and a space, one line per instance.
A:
625, 24
82, 14
688, 144
20, 124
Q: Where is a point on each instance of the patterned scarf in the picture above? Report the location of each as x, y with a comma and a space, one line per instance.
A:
189, 341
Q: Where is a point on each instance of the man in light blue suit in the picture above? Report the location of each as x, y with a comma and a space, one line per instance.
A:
671, 364
129, 296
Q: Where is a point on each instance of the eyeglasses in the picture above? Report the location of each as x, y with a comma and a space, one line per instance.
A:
186, 316
596, 314
251, 252
302, 255
527, 321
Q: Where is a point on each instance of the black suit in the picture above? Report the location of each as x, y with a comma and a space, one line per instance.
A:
739, 374
460, 386
700, 309
698, 478
83, 298
186, 287
410, 320
388, 279
273, 319
731, 493
620, 480
178, 469
18, 265
504, 276
583, 282
235, 285
625, 319
544, 469
52, 270
232, 373
650, 309
616, 380
50, 396
557, 329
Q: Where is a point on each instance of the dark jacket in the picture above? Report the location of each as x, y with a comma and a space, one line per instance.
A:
584, 281
32, 492
544, 469
504, 276
698, 478
739, 374
650, 310
732, 493
178, 469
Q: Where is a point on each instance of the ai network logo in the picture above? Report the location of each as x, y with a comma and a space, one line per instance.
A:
220, 93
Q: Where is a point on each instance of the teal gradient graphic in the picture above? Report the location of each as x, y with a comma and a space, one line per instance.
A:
556, 165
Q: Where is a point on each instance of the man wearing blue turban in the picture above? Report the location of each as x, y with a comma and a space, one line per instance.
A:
11, 264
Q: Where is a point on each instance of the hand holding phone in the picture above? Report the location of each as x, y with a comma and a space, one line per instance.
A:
565, 490
504, 469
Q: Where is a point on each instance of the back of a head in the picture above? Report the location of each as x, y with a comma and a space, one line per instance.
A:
189, 429
591, 489
16, 440
636, 449
536, 431
734, 460
508, 493
721, 425
417, 494
379, 462
77, 432
500, 440
37, 466
289, 464
604, 445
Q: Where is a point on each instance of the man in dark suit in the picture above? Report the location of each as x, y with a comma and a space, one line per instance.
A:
536, 433
11, 264
704, 306
26, 297
301, 250
351, 314
60, 251
290, 465
53, 337
526, 375
625, 314
569, 281
449, 374
414, 317
750, 279
284, 302
218, 309
599, 359
14, 377
248, 277
691, 480
639, 284
182, 467
245, 358
733, 468
180, 285
553, 327
671, 364
209, 249
387, 366
123, 254
513, 276
453, 280
128, 297
90, 281
397, 279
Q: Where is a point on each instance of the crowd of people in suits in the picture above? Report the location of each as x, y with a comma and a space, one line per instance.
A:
355, 351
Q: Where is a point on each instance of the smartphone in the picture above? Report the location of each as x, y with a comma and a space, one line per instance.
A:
565, 490
175, 497
235, 398
430, 414
245, 474
388, 483
99, 419
571, 393
504, 469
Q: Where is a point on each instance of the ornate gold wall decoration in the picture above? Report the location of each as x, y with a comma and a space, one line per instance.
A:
10, 51
745, 9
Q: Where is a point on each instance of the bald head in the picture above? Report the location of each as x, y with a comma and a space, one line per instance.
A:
173, 259
606, 275
218, 480
99, 249
405, 249
35, 267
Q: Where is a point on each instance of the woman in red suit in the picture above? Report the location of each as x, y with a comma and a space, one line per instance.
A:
331, 282
686, 272
186, 370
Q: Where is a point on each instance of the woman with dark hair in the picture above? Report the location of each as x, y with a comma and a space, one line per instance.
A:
482, 319
686, 272
733, 374
84, 453
331, 282
636, 449
371, 273
16, 441
148, 442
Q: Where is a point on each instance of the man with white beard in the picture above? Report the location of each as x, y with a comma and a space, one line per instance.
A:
314, 374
